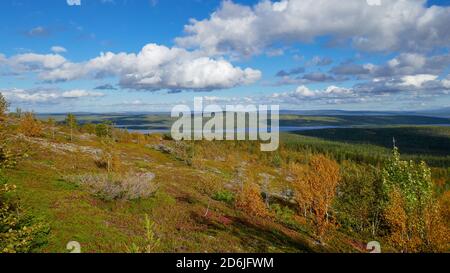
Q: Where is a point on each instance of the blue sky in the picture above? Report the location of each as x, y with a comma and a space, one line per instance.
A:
149, 55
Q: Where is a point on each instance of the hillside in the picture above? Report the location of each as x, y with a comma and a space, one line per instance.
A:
179, 207
190, 191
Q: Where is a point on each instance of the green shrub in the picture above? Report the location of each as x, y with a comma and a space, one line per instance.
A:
20, 232
411, 211
7, 158
284, 215
224, 196
411, 179
357, 205
103, 130
150, 243
276, 160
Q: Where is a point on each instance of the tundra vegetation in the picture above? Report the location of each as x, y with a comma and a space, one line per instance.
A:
117, 191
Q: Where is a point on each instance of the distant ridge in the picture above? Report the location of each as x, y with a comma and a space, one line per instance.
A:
442, 112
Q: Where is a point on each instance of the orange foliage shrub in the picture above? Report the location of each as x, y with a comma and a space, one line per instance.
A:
250, 201
209, 184
445, 207
422, 231
303, 194
395, 215
437, 232
315, 189
122, 136
139, 138
29, 126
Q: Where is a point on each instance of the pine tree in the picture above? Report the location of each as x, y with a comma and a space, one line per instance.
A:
4, 105
71, 121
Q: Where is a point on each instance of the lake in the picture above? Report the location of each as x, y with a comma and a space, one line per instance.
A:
281, 129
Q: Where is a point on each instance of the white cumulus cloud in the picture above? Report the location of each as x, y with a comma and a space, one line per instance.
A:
155, 67
58, 49
303, 93
75, 94
250, 30
17, 95
417, 80
34, 62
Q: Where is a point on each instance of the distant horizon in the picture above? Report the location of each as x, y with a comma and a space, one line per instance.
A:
281, 111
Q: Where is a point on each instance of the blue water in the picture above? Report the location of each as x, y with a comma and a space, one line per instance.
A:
281, 129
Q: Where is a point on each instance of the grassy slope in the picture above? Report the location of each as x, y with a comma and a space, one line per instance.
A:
178, 208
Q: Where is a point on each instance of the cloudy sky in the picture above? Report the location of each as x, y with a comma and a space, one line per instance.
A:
148, 55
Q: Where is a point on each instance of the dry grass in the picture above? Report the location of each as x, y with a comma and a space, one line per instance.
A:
118, 186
